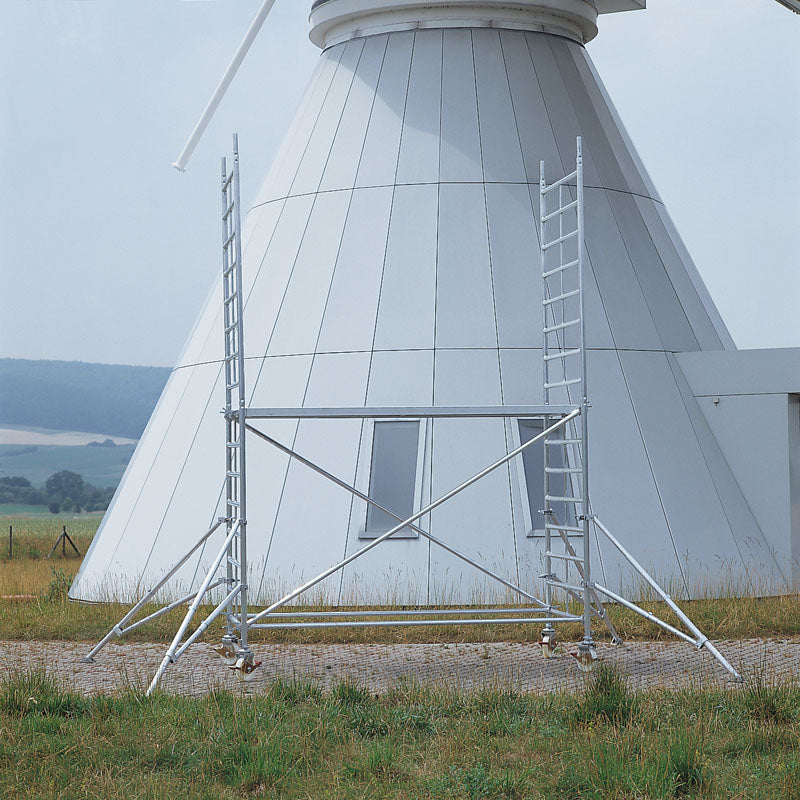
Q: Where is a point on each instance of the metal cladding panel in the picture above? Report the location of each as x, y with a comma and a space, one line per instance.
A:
352, 303
775, 371
282, 382
478, 522
521, 376
298, 324
622, 484
348, 144
401, 377
381, 149
419, 149
628, 315
668, 316
794, 486
757, 545
500, 146
703, 539
276, 268
407, 305
318, 149
514, 253
460, 138
747, 448
465, 314
281, 175
313, 518
530, 112
560, 113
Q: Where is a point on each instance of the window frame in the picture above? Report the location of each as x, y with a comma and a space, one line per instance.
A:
364, 533
528, 513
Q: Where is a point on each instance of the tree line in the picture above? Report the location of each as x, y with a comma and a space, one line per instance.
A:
76, 396
63, 491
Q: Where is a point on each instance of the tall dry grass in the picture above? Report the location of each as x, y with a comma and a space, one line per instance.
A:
51, 616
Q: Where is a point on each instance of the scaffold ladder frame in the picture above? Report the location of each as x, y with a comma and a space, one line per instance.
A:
564, 432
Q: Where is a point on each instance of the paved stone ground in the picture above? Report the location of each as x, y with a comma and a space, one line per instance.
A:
378, 667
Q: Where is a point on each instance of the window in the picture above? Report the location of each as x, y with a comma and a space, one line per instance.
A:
533, 469
394, 476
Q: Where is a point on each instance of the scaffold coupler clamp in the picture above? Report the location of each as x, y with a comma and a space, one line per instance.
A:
228, 649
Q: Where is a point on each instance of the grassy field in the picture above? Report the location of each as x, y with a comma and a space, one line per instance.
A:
296, 742
47, 614
100, 466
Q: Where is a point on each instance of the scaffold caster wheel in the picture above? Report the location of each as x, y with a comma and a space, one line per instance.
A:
245, 667
227, 650
585, 657
548, 643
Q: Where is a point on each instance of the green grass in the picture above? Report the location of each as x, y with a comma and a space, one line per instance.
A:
100, 466
297, 742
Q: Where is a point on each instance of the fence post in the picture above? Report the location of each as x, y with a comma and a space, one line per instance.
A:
10, 541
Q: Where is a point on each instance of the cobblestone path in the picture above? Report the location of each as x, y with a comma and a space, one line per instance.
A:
380, 666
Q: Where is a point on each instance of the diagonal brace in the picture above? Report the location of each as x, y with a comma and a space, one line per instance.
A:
361, 496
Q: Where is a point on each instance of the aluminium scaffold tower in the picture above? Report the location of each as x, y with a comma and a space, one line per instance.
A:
570, 593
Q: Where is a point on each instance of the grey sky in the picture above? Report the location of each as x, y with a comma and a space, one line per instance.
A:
108, 253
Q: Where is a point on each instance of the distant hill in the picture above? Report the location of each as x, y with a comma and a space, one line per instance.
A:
78, 396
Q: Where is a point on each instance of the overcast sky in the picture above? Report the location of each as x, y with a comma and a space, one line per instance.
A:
108, 253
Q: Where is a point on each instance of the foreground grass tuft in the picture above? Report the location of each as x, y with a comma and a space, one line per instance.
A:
296, 741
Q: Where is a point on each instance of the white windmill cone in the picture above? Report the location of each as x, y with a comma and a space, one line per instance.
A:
391, 258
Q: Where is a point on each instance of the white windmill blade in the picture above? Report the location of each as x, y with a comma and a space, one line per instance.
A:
792, 5
222, 87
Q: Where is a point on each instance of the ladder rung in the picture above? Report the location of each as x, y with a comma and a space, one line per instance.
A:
565, 557
568, 528
562, 441
557, 384
232, 385
557, 499
560, 297
573, 174
563, 354
562, 268
562, 325
234, 474
563, 470
561, 585
552, 214
233, 444
234, 503
561, 239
